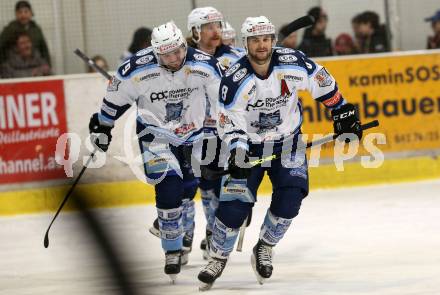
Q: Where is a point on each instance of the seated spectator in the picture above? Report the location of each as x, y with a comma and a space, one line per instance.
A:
141, 40
373, 36
100, 61
23, 22
286, 39
434, 41
344, 45
24, 60
314, 42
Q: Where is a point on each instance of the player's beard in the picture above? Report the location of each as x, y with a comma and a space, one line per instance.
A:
260, 58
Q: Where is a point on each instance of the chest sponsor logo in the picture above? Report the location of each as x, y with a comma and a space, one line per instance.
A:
239, 75
285, 50
232, 70
144, 51
144, 60
201, 57
173, 95
287, 58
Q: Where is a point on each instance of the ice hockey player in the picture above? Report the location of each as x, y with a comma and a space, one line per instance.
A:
205, 25
169, 82
228, 35
259, 108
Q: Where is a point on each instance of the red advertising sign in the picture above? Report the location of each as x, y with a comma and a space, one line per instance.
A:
32, 117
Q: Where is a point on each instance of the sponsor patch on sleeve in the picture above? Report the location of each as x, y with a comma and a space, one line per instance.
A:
323, 78
113, 84
334, 100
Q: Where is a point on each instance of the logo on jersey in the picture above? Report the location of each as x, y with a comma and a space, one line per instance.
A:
144, 60
232, 70
144, 51
158, 95
239, 75
113, 84
267, 121
323, 78
184, 129
223, 120
201, 57
285, 89
285, 50
287, 58
173, 111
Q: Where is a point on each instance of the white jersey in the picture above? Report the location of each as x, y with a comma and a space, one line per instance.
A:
267, 108
170, 105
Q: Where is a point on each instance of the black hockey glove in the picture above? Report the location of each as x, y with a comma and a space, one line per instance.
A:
242, 169
100, 134
346, 120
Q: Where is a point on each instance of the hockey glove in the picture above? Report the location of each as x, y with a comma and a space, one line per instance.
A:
346, 120
242, 169
100, 134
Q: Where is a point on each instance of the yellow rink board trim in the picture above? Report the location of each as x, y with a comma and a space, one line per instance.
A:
135, 192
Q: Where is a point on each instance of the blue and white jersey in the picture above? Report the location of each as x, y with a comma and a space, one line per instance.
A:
170, 105
228, 55
264, 109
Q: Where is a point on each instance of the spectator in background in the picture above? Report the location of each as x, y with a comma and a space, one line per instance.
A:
372, 35
23, 22
24, 61
100, 61
344, 45
314, 42
286, 39
141, 40
434, 41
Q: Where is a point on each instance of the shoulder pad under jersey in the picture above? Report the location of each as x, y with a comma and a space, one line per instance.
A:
140, 60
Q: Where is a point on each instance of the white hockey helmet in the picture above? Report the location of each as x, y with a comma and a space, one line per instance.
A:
166, 38
256, 26
228, 31
203, 15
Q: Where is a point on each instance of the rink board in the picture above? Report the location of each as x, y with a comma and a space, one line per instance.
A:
399, 89
136, 192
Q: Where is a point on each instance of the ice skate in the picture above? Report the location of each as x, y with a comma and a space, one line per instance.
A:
172, 264
210, 273
262, 261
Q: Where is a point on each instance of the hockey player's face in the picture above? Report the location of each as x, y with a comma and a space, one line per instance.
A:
260, 48
210, 34
173, 60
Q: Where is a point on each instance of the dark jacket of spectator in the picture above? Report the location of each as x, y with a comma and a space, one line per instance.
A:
377, 42
24, 61
315, 45
8, 36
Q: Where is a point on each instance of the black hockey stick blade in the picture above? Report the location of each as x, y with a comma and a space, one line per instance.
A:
91, 63
299, 23
210, 174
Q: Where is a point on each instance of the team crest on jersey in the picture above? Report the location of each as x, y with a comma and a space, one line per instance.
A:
201, 57
144, 51
232, 70
287, 58
267, 121
323, 78
113, 84
144, 60
285, 89
223, 120
173, 111
285, 50
239, 75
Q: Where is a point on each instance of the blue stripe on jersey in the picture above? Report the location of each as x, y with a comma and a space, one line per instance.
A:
141, 68
237, 93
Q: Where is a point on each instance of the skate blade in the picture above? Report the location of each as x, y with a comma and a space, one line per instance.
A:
173, 278
260, 279
154, 231
204, 286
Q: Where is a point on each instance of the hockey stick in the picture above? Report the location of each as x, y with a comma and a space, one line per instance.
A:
210, 174
46, 236
91, 63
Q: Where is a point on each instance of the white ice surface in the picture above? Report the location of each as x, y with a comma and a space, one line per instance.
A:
381, 240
